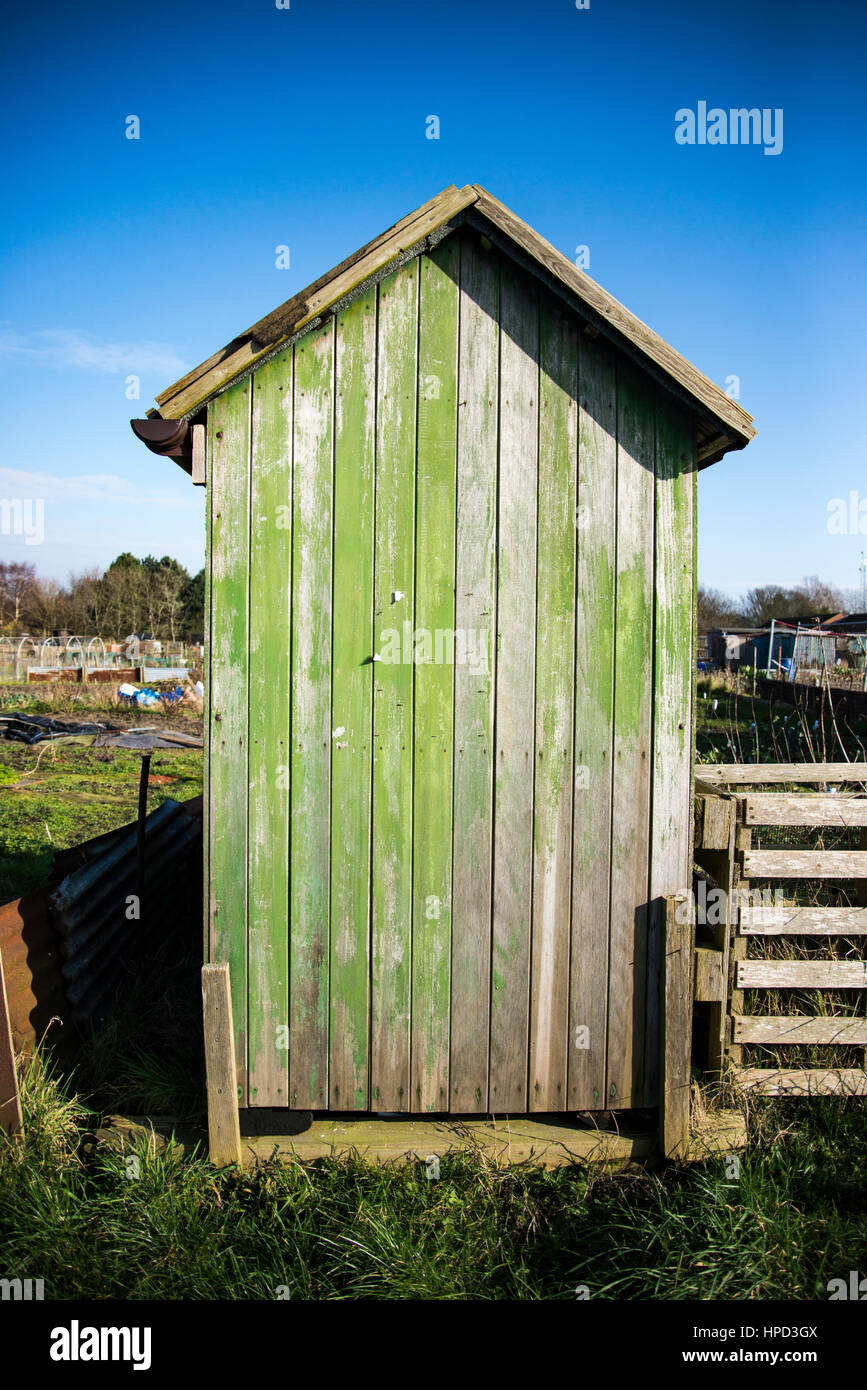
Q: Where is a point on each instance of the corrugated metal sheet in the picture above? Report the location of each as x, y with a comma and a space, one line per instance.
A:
65, 946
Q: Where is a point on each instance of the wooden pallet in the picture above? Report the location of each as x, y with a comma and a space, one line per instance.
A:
727, 815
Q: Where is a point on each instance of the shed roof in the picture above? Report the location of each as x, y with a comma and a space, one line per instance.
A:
722, 424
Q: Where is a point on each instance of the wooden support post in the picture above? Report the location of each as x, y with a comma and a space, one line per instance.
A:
738, 951
144, 775
199, 473
716, 855
676, 1030
10, 1101
224, 1132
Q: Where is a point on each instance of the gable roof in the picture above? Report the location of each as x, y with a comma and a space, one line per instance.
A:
722, 423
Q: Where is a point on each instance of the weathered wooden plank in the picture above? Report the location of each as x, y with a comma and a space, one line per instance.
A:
199, 472
799, 1028
758, 774
802, 974
555, 700
805, 863
710, 981
805, 808
738, 887
715, 817
436, 650
675, 1034
516, 590
351, 702
594, 705
10, 1100
673, 665
270, 734
394, 571
792, 920
414, 1141
844, 1082
229, 495
220, 1065
475, 597
207, 727
633, 702
311, 720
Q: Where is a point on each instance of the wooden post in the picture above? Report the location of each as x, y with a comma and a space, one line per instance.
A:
144, 774
738, 944
676, 1030
198, 466
224, 1132
10, 1101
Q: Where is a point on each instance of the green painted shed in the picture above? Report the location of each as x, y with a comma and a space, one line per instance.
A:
451, 524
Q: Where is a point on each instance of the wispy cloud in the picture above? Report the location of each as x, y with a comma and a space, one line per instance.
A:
90, 487
66, 347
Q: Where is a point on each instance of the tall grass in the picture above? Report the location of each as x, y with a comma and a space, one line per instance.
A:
94, 1225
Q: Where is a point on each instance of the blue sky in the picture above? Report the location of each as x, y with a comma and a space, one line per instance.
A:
306, 126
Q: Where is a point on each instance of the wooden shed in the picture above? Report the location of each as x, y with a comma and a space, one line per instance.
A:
451, 529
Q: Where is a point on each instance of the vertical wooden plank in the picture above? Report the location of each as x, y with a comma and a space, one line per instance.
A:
437, 648
516, 626
394, 572
724, 871
351, 701
311, 720
199, 469
475, 600
270, 734
229, 448
224, 1133
739, 888
633, 697
675, 1035
10, 1100
555, 673
207, 955
673, 670
594, 716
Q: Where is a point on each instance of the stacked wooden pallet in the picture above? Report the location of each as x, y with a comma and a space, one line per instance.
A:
729, 816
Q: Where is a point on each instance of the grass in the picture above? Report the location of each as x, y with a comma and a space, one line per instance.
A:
74, 1213
95, 1226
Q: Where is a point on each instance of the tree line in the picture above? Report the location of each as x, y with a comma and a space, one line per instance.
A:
811, 600
131, 596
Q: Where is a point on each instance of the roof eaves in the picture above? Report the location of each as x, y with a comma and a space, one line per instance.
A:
618, 323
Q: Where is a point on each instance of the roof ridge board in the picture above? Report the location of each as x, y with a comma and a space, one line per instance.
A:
269, 330
645, 339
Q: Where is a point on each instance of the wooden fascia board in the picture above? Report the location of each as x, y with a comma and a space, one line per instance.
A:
243, 352
615, 316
